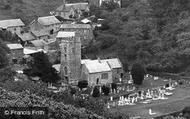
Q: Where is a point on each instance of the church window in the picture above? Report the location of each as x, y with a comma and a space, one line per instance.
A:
66, 71
104, 76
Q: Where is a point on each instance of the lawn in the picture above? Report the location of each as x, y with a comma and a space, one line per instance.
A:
176, 102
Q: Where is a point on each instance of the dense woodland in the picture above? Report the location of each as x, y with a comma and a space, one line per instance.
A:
152, 32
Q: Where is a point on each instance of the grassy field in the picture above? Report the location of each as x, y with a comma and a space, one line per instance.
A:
176, 102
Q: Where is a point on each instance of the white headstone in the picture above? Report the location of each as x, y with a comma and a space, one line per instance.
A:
111, 98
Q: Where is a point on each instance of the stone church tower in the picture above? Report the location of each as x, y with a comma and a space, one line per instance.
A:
70, 46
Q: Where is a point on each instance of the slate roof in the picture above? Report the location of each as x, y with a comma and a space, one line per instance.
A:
26, 37
38, 43
94, 66
65, 34
28, 51
14, 46
48, 20
11, 23
114, 63
79, 26
57, 67
68, 7
39, 33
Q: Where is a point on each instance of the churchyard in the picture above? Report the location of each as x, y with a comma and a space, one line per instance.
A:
156, 97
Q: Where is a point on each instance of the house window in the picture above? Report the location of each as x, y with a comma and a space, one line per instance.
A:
73, 50
65, 49
66, 71
104, 76
65, 56
97, 81
51, 31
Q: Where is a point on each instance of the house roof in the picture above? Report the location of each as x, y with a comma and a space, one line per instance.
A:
28, 51
68, 7
49, 41
79, 26
11, 23
65, 34
48, 20
38, 43
26, 37
114, 63
57, 67
94, 66
39, 33
14, 46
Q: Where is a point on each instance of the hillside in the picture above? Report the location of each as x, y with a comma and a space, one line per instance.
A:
155, 33
26, 9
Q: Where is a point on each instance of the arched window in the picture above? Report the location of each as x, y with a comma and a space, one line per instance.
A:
66, 70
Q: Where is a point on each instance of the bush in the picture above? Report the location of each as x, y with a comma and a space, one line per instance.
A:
138, 72
114, 86
83, 84
72, 91
186, 112
96, 92
105, 90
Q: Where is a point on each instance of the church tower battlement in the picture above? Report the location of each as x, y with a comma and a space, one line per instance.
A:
70, 46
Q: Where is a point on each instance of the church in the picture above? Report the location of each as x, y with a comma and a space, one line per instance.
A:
73, 69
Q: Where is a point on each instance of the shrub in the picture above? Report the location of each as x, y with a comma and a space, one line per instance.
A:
138, 72
114, 86
96, 92
83, 84
105, 90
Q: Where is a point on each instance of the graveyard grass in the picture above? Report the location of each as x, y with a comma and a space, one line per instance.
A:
176, 102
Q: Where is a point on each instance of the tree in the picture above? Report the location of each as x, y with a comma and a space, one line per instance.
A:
96, 92
138, 72
110, 5
40, 66
186, 112
114, 86
82, 84
105, 90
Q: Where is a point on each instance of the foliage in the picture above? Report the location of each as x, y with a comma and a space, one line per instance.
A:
186, 112
110, 5
138, 72
152, 32
41, 67
82, 84
105, 90
7, 74
56, 109
114, 86
96, 92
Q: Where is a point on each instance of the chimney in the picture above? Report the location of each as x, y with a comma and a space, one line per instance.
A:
64, 2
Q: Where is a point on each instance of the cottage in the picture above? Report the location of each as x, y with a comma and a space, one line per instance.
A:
84, 31
38, 44
99, 2
50, 44
40, 34
49, 24
16, 52
12, 25
96, 72
26, 37
71, 10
